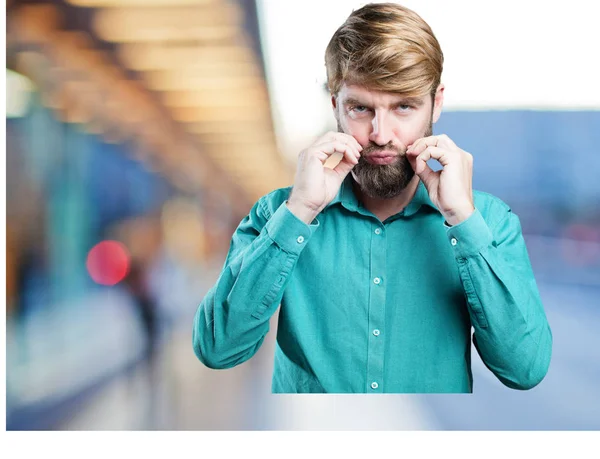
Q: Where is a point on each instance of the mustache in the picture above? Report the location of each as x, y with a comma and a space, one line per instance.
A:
374, 148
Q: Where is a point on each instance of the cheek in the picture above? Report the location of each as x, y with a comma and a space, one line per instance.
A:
404, 135
413, 131
358, 130
408, 136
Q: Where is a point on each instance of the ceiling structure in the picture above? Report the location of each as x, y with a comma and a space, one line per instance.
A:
182, 79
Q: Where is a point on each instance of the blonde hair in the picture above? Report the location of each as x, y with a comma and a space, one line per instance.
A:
385, 47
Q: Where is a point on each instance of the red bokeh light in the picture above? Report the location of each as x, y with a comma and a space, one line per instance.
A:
108, 262
581, 245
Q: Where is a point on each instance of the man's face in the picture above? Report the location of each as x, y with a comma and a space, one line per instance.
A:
385, 124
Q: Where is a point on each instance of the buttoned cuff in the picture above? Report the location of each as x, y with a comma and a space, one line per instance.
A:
288, 231
469, 236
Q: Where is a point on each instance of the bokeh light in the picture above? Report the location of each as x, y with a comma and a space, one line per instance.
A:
108, 262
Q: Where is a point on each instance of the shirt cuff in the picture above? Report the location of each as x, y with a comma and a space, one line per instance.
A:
469, 236
288, 231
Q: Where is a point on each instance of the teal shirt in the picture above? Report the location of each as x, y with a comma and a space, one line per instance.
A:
371, 306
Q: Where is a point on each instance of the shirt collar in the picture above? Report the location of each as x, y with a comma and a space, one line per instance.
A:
346, 196
421, 198
348, 199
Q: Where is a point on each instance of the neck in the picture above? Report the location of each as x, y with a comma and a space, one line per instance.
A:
385, 208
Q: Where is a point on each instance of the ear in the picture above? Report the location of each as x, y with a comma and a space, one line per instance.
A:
335, 107
438, 102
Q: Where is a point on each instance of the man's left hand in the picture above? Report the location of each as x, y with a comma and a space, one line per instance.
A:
450, 189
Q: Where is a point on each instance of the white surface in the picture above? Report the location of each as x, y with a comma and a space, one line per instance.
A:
514, 54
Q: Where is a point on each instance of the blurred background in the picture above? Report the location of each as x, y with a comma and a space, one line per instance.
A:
140, 132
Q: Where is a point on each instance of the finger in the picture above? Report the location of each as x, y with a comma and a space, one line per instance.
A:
331, 147
321, 156
342, 137
429, 177
445, 141
421, 144
343, 168
352, 141
413, 154
439, 154
415, 145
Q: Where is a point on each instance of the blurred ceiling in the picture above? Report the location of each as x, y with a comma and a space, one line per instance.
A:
183, 79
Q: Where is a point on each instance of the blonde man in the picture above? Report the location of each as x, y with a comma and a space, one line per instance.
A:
381, 265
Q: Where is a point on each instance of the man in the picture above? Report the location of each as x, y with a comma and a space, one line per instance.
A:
381, 265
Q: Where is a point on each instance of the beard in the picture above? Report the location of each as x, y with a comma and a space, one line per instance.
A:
384, 181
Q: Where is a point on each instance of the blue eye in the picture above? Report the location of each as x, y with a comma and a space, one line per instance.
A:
359, 108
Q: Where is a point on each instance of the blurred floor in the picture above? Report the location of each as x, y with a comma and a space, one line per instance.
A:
179, 393
182, 394
569, 396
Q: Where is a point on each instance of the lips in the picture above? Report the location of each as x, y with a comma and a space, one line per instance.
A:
381, 158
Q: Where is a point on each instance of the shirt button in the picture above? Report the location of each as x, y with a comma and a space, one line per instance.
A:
377, 281
377, 231
374, 385
453, 241
300, 239
376, 332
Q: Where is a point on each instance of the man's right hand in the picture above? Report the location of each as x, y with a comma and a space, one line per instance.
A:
315, 185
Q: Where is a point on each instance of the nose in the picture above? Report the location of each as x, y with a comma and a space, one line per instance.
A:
381, 132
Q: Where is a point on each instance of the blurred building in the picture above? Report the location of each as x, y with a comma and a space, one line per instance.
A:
139, 134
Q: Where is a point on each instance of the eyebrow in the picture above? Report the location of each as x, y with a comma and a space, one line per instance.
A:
416, 101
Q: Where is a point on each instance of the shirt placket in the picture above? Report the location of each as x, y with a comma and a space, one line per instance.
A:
376, 330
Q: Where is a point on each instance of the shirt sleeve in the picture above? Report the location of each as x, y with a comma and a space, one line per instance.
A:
232, 320
512, 334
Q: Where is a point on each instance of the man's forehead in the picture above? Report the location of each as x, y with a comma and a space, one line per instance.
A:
356, 92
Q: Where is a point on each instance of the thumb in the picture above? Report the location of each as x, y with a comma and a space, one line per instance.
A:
426, 174
343, 168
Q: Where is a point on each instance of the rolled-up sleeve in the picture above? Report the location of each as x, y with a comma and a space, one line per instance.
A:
512, 334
